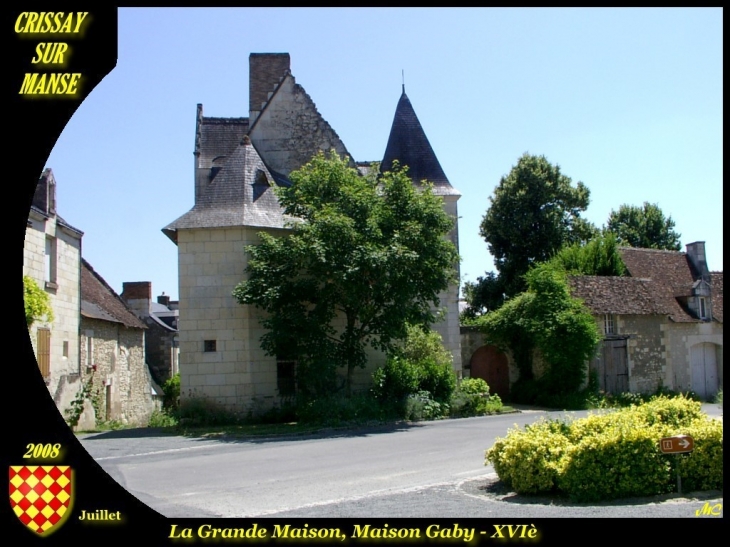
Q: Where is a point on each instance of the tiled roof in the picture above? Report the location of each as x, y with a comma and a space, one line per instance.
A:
409, 145
669, 268
99, 301
716, 295
619, 295
671, 274
240, 195
658, 279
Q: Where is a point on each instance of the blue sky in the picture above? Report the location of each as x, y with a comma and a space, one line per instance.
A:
628, 101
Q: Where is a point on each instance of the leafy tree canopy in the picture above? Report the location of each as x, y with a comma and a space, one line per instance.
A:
644, 226
365, 257
535, 210
484, 295
37, 303
547, 318
600, 256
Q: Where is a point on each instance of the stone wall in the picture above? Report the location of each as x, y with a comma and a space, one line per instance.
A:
160, 350
113, 356
237, 374
64, 294
234, 372
681, 337
290, 132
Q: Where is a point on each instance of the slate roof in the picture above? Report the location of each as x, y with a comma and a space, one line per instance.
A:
99, 301
409, 145
218, 137
240, 195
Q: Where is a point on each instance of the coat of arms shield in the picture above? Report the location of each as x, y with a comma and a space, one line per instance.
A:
41, 495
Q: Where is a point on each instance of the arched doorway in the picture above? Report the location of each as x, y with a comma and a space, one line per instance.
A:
491, 365
703, 362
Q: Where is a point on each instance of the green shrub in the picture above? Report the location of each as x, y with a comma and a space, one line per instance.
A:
471, 398
171, 391
701, 469
436, 378
614, 454
421, 364
616, 463
396, 380
675, 411
528, 460
37, 302
421, 406
162, 418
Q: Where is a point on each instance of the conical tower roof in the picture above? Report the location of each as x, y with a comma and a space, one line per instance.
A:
409, 145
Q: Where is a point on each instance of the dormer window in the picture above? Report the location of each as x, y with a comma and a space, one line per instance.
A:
702, 308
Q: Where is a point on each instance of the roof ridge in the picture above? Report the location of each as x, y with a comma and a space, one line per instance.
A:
645, 249
106, 285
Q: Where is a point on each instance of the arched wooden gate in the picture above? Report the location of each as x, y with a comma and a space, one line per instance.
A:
491, 365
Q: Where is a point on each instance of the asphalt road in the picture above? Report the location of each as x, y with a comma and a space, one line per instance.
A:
431, 469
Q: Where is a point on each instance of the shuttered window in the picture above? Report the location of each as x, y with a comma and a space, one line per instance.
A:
43, 353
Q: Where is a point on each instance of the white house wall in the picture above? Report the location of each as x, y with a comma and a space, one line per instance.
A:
65, 301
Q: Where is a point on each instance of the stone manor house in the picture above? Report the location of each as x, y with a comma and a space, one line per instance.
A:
237, 162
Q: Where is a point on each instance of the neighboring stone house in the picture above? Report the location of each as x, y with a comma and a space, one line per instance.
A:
112, 352
161, 338
237, 161
662, 326
51, 257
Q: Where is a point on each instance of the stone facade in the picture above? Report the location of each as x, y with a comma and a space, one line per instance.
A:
112, 352
113, 358
162, 349
655, 332
673, 339
237, 161
51, 257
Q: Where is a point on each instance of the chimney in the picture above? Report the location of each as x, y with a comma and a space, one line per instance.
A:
164, 300
265, 70
137, 295
44, 197
698, 260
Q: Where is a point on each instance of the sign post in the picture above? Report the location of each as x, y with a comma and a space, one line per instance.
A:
679, 444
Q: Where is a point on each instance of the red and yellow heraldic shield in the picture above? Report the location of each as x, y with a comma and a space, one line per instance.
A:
41, 495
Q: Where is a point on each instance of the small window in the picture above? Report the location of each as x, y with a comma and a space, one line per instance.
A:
286, 379
65, 349
89, 348
703, 308
609, 324
51, 262
209, 346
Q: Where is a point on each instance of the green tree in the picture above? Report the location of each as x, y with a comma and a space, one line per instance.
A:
482, 296
365, 257
37, 303
534, 212
547, 318
644, 226
599, 256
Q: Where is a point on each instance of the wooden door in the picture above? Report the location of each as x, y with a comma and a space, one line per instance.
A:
704, 370
612, 366
490, 364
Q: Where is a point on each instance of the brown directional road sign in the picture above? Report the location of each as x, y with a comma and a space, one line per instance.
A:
677, 444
